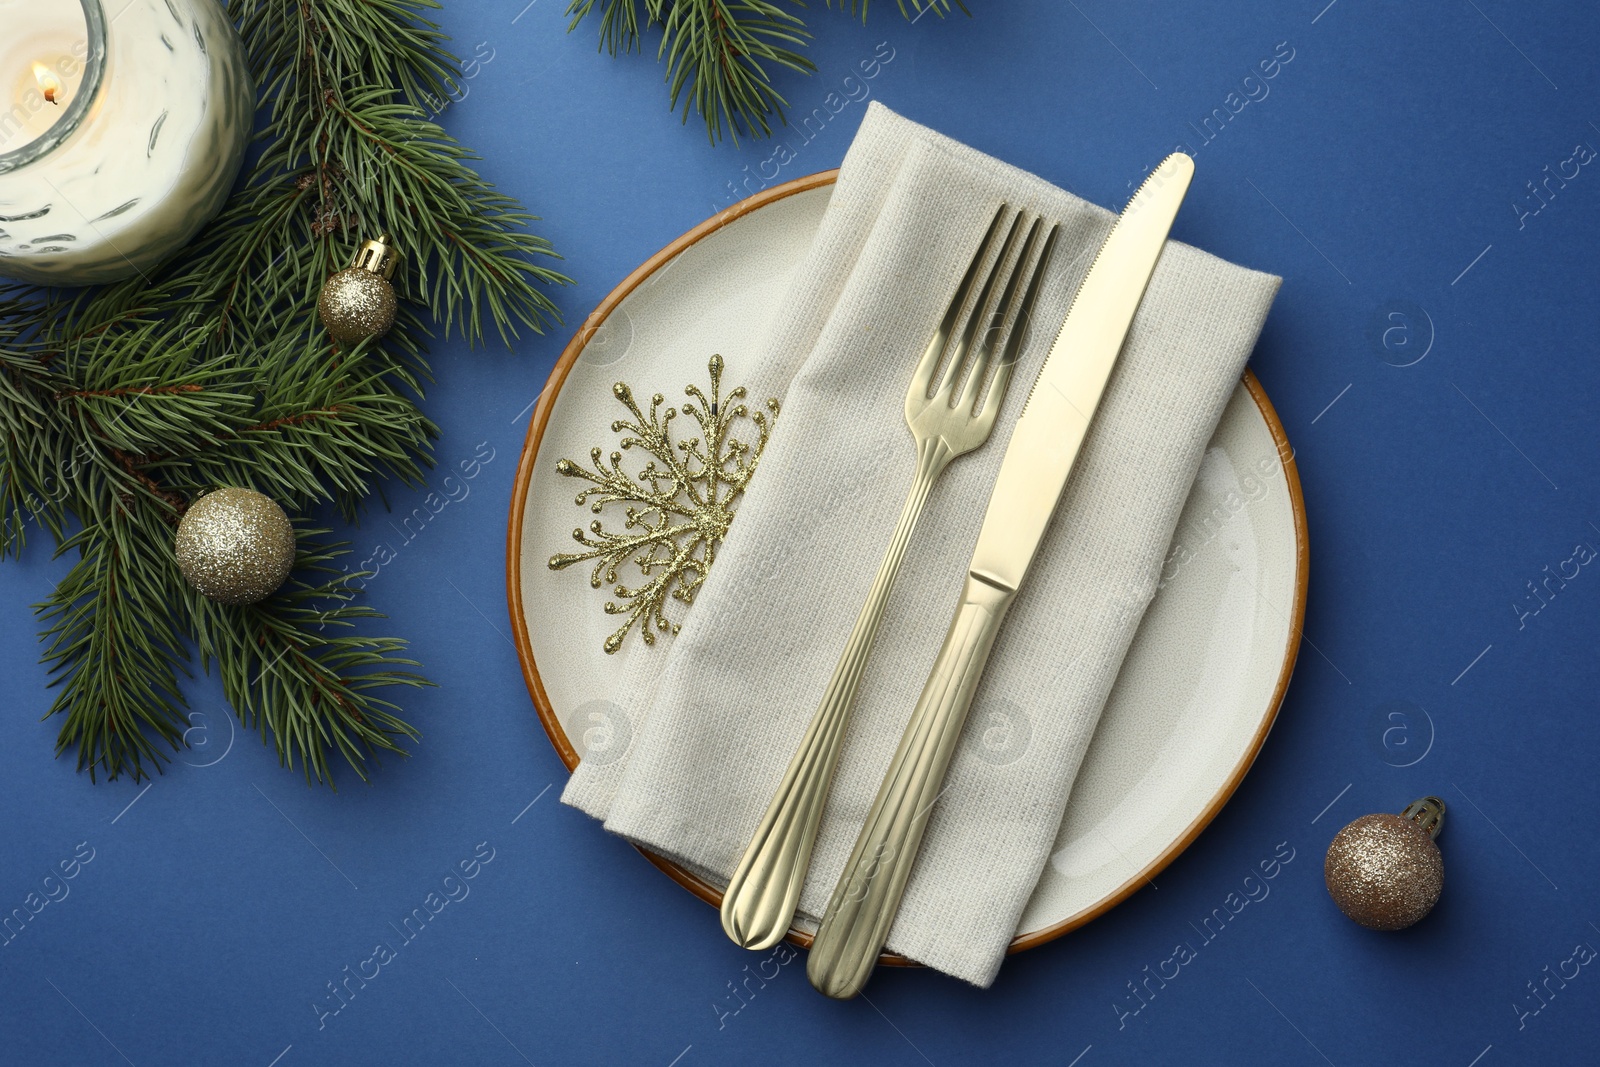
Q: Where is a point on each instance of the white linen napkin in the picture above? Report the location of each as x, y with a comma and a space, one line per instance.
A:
717, 711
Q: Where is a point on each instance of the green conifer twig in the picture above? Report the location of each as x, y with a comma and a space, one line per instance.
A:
119, 404
719, 53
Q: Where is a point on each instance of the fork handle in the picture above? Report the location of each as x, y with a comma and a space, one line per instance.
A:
867, 895
760, 901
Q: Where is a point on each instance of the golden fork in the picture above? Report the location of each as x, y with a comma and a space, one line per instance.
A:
949, 416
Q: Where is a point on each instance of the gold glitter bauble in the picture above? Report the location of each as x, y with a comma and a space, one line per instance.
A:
1384, 871
235, 545
358, 303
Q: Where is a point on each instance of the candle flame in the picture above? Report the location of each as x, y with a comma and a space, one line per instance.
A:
49, 84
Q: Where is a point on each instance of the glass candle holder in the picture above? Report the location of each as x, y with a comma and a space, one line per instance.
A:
119, 138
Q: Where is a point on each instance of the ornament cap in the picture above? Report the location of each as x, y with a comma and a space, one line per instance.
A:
1428, 813
379, 257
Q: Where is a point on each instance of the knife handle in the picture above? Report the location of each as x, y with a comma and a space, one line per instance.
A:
761, 898
868, 892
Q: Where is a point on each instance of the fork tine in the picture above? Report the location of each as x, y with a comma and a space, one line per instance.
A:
922, 377
997, 320
1019, 327
958, 350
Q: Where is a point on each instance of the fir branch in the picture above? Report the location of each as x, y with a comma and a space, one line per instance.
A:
322, 430
295, 672
619, 23
113, 647
717, 54
720, 54
189, 409
33, 475
715, 50
358, 147
119, 404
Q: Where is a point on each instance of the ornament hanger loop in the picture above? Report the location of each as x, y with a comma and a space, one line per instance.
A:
1427, 813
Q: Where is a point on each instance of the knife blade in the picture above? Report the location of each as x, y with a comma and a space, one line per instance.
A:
1056, 416
1033, 474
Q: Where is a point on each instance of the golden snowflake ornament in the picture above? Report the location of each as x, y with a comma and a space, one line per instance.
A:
679, 506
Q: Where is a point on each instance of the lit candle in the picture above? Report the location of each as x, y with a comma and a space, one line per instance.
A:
119, 137
41, 67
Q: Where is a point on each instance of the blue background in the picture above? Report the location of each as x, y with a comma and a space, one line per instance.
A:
1379, 176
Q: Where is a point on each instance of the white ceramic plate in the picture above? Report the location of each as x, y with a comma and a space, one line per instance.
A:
1200, 686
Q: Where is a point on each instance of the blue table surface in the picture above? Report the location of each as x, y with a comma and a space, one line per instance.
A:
1433, 356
